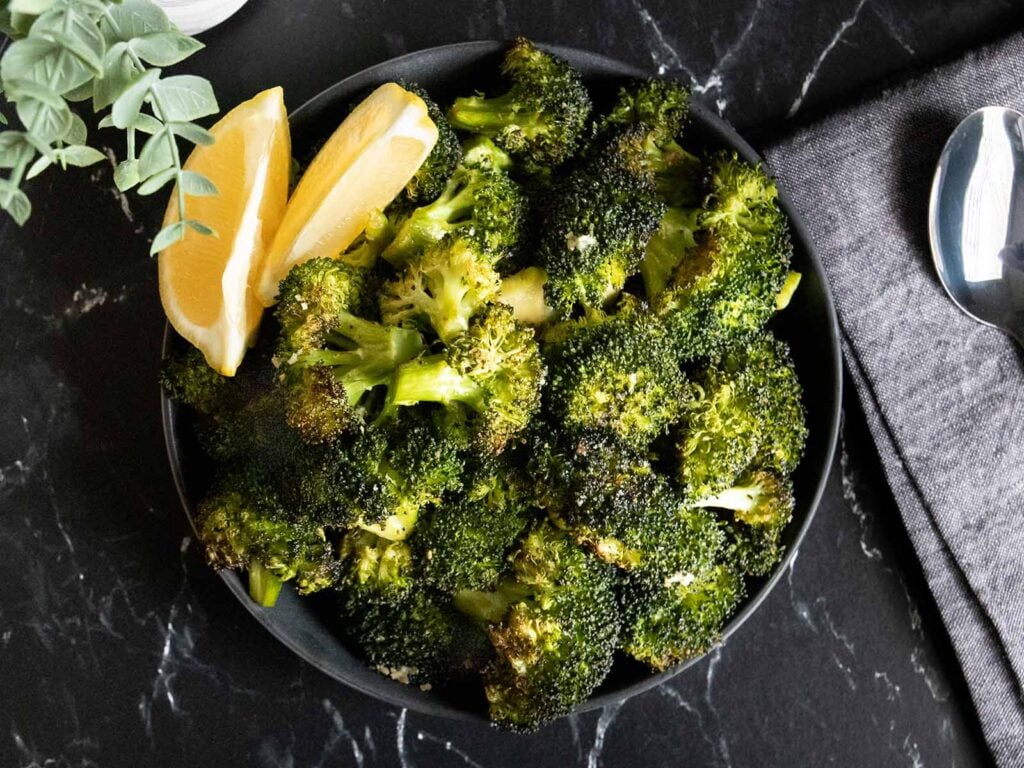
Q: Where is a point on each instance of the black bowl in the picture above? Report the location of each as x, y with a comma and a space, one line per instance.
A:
808, 325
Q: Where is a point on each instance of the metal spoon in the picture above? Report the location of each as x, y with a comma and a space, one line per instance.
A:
976, 218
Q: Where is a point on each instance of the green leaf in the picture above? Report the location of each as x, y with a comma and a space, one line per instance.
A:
75, 31
155, 155
169, 235
32, 7
201, 228
82, 92
78, 133
15, 202
126, 174
80, 155
18, 89
106, 122
157, 180
127, 106
192, 132
119, 71
196, 184
147, 124
131, 19
15, 149
162, 49
44, 62
40, 165
46, 121
184, 97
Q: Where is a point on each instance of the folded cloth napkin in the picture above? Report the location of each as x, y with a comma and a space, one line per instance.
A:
944, 395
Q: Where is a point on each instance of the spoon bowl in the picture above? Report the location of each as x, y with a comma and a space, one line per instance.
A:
976, 218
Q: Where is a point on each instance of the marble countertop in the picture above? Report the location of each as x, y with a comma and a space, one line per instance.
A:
118, 647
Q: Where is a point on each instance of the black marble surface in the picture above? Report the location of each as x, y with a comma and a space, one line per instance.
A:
118, 647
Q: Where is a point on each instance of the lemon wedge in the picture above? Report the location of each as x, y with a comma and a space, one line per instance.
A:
205, 280
364, 164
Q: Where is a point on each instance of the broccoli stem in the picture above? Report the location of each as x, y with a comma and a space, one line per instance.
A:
480, 115
264, 586
432, 380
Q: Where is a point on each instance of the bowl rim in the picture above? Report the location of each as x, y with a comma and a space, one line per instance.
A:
483, 47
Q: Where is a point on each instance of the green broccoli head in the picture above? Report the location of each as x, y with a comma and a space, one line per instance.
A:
407, 630
680, 618
331, 359
761, 505
442, 289
429, 181
766, 365
659, 109
557, 631
540, 119
494, 370
741, 195
479, 202
621, 377
187, 378
596, 227
381, 478
464, 543
244, 525
747, 412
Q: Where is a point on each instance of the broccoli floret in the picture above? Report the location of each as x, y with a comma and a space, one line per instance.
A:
540, 119
330, 358
188, 378
747, 411
441, 289
366, 249
722, 292
596, 227
464, 543
407, 630
494, 369
381, 478
479, 202
524, 292
660, 108
244, 525
622, 376
555, 626
766, 364
680, 618
761, 504
429, 181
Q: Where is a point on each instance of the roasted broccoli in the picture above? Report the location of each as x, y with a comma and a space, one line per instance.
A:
188, 378
597, 225
479, 202
540, 119
331, 358
433, 175
621, 376
680, 618
747, 411
407, 630
442, 289
761, 504
244, 525
366, 249
494, 369
723, 291
381, 478
554, 627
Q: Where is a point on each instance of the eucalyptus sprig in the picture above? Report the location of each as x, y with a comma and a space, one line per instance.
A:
110, 52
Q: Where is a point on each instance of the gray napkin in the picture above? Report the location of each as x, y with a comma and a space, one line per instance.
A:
944, 395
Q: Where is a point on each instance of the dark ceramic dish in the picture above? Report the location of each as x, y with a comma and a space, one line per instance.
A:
808, 325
